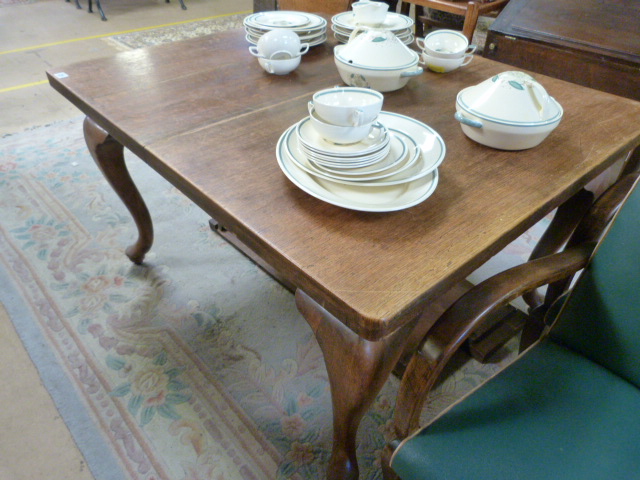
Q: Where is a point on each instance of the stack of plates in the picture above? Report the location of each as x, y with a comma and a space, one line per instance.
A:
311, 28
321, 152
402, 26
392, 169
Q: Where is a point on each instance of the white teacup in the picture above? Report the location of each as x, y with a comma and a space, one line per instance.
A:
444, 65
347, 106
445, 44
277, 41
340, 134
279, 66
369, 13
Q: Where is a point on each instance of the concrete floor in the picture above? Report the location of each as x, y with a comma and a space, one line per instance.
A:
35, 443
45, 33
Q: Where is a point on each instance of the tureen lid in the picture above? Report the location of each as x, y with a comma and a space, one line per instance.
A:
510, 97
375, 48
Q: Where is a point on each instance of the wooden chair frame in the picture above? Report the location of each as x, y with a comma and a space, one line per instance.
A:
470, 10
455, 326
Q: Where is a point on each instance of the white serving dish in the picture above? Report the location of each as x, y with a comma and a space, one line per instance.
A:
380, 79
376, 48
509, 111
377, 59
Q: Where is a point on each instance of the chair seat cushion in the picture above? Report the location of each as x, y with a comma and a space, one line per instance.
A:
552, 414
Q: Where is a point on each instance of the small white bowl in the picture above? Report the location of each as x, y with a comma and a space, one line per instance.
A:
279, 40
444, 65
445, 44
347, 106
279, 67
337, 133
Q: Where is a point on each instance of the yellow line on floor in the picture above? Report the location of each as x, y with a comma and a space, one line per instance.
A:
25, 85
62, 42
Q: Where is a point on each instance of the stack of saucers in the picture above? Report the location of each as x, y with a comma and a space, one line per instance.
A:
381, 162
311, 29
343, 24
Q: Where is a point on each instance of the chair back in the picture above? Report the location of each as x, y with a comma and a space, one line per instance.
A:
330, 7
601, 317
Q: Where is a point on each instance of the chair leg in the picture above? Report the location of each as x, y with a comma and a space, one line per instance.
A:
471, 20
387, 472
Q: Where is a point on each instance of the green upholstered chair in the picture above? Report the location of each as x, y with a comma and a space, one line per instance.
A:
569, 406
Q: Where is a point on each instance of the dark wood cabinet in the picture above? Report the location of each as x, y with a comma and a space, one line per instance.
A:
595, 43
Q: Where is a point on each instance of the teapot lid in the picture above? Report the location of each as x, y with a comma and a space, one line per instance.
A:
376, 48
514, 98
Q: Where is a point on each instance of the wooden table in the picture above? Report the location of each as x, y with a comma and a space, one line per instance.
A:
588, 42
206, 117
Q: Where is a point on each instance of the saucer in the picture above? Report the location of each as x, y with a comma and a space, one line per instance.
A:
412, 170
312, 141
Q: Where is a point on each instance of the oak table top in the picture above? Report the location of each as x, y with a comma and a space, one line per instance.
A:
206, 116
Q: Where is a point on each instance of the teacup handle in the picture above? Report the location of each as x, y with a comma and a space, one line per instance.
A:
471, 48
304, 48
467, 59
356, 117
310, 107
254, 51
420, 43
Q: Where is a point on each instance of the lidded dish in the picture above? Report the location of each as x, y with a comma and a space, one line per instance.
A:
376, 59
509, 111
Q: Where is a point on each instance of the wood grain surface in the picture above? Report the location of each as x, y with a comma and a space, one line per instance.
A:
207, 117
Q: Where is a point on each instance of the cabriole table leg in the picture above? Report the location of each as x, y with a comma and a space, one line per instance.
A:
357, 369
109, 155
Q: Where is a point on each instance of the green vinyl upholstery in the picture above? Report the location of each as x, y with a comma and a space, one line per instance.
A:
569, 408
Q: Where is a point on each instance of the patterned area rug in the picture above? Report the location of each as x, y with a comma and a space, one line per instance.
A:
8, 3
195, 365
183, 31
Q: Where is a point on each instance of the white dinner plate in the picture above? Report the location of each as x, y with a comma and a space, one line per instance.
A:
393, 21
344, 164
314, 22
304, 37
407, 40
313, 41
430, 142
365, 199
342, 35
281, 19
390, 165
